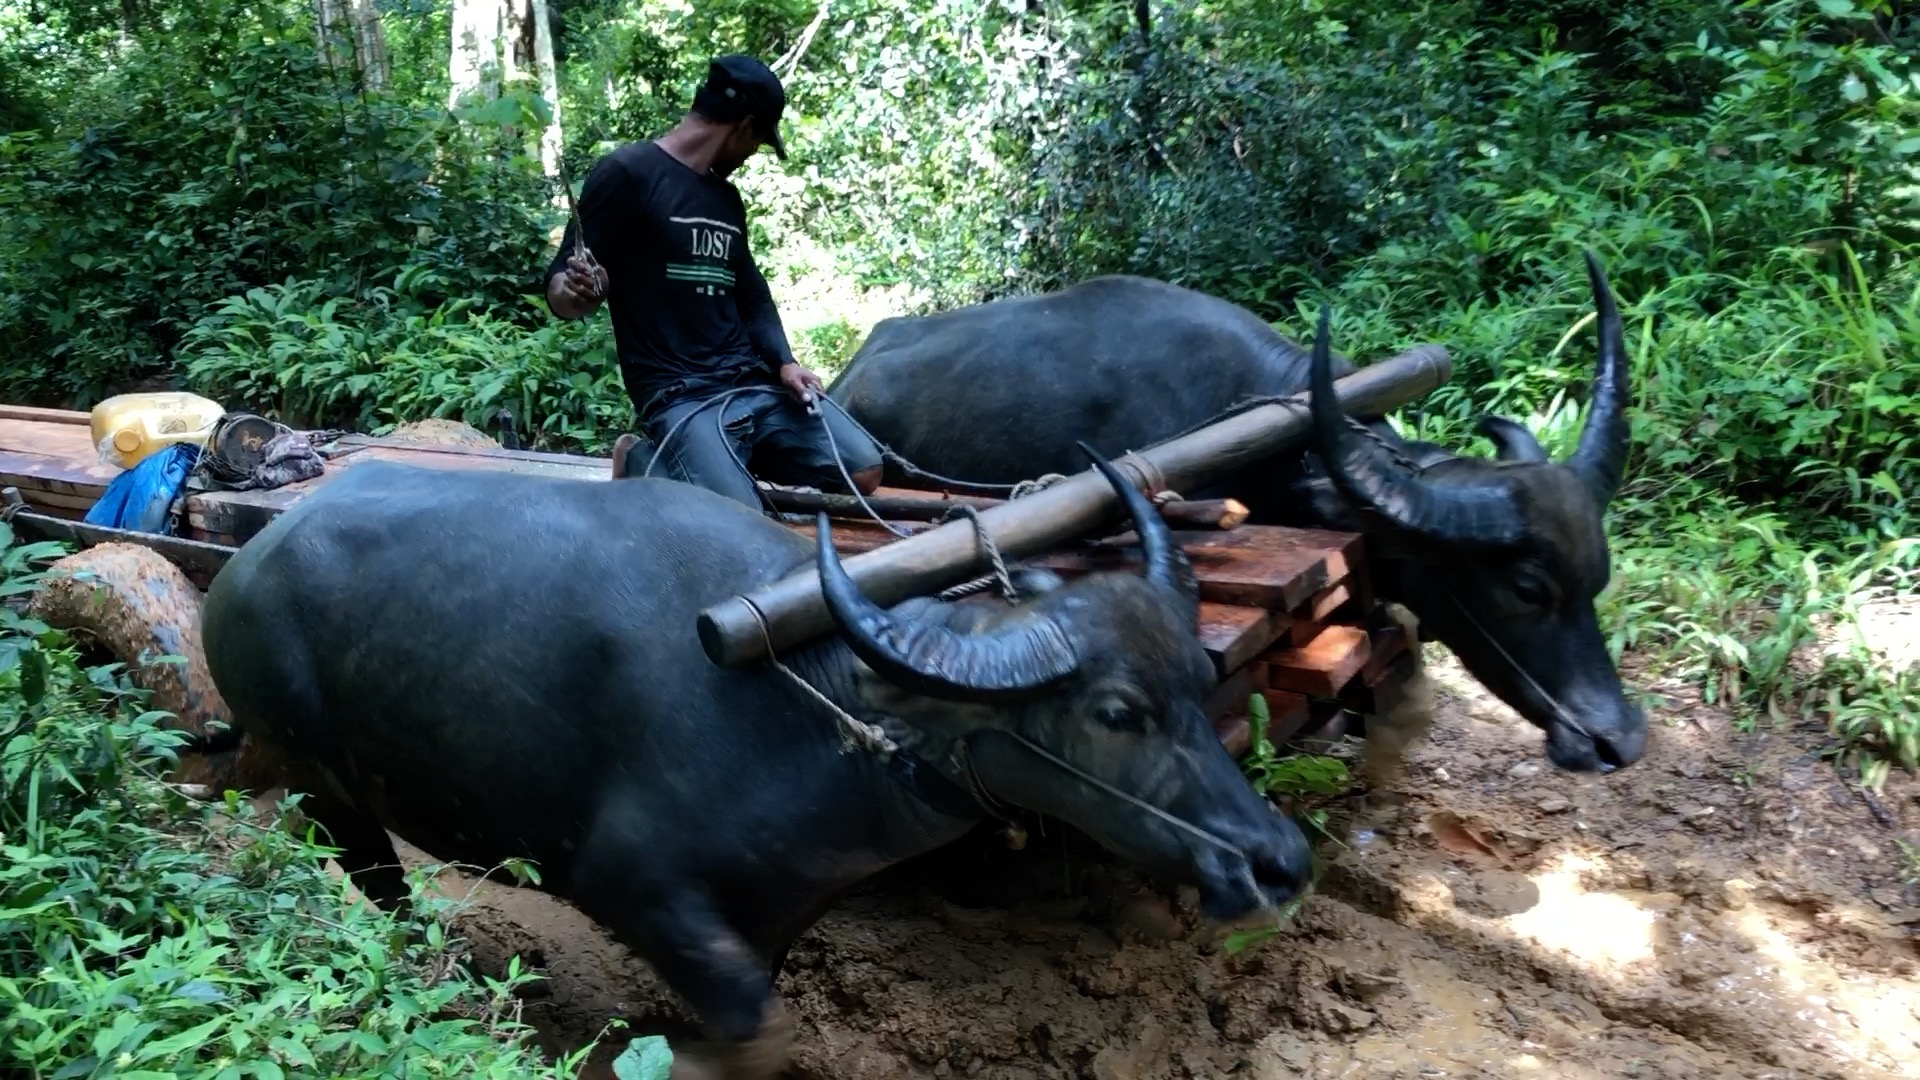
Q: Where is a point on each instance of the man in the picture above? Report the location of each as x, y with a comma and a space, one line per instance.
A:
693, 319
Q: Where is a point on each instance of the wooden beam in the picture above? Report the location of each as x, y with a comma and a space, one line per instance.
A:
244, 513
38, 415
189, 555
744, 628
906, 504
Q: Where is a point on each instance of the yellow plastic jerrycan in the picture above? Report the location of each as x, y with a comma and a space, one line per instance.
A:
129, 427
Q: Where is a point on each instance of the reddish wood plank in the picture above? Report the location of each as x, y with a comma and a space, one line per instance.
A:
1234, 635
981, 501
1389, 643
39, 456
1287, 713
1253, 565
1315, 615
1326, 602
1231, 695
854, 537
1236, 734
1320, 667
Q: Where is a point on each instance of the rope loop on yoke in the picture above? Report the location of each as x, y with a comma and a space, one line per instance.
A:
1039, 483
1000, 574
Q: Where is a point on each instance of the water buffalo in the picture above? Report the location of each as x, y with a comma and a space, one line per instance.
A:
1500, 560
496, 666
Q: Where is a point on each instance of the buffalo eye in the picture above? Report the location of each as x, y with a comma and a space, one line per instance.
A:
1118, 716
1535, 590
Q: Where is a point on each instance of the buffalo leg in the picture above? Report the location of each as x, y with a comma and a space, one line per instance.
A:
365, 850
718, 975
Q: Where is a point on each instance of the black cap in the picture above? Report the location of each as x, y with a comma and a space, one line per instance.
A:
740, 86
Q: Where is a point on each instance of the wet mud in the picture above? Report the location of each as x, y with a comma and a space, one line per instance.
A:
1728, 907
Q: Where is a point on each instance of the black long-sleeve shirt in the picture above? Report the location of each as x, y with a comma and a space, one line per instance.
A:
690, 309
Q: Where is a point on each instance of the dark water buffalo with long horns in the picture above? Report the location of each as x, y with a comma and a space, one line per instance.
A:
1500, 559
707, 816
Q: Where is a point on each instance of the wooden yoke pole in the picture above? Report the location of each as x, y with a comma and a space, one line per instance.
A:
740, 629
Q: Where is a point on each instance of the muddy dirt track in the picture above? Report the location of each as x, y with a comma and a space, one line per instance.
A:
1725, 908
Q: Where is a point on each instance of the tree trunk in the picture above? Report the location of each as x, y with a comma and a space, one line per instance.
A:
473, 62
369, 43
327, 20
516, 38
543, 64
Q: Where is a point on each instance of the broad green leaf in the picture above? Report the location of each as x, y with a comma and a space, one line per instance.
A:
645, 1058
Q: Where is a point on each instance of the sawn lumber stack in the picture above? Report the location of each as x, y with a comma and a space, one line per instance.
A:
1284, 613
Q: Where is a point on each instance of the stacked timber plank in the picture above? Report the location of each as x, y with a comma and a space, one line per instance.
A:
1285, 613
49, 455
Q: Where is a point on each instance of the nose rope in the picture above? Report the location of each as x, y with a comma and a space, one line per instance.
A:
964, 760
1093, 781
1559, 710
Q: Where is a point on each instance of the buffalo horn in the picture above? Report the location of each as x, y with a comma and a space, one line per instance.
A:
1166, 563
1602, 455
1365, 471
925, 656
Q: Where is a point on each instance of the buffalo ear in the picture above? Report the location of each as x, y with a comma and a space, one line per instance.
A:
1511, 441
1034, 580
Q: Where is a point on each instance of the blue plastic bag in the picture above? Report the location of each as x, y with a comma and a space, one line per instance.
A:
139, 498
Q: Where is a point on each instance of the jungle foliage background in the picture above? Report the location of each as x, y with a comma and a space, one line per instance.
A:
348, 228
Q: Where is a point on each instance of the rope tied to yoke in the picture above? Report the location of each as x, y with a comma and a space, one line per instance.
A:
855, 733
999, 576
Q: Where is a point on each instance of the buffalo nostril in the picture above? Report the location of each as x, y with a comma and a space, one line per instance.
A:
1277, 875
1608, 754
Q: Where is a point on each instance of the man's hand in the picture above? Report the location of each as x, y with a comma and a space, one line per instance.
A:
801, 383
577, 290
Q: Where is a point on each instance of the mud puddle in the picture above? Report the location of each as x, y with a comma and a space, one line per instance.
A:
1725, 908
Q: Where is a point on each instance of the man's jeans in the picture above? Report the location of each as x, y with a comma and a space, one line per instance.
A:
722, 445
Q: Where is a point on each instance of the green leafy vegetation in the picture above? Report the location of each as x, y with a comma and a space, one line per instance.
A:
144, 935
195, 194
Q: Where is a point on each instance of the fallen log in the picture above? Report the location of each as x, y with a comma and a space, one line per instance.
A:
745, 628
